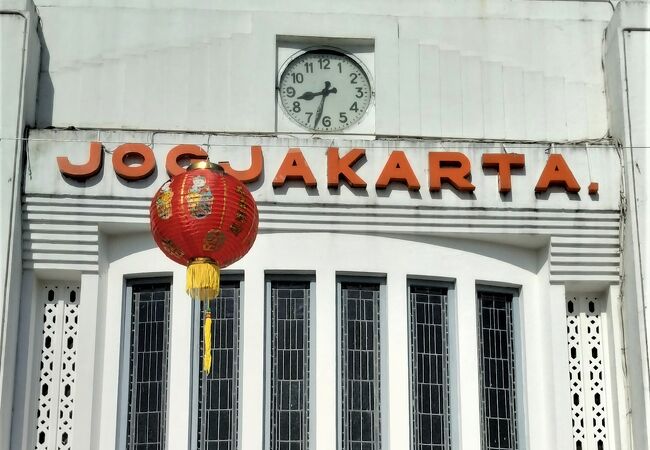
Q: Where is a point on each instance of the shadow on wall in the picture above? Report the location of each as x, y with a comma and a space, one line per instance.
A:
45, 95
495, 249
507, 249
127, 244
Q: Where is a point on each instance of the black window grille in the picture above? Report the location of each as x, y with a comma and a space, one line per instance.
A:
429, 368
360, 386
149, 348
289, 409
218, 390
497, 364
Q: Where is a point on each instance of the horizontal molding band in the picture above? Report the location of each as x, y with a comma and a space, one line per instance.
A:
72, 266
588, 278
71, 238
585, 251
70, 257
313, 223
584, 260
68, 247
62, 232
63, 227
319, 208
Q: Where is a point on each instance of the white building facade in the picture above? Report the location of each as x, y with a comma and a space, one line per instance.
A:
452, 236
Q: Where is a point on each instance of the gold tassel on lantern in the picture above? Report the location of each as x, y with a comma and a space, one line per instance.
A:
202, 284
207, 342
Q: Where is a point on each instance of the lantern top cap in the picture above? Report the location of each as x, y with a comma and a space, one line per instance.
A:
205, 164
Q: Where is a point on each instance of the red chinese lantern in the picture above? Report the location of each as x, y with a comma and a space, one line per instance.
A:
206, 220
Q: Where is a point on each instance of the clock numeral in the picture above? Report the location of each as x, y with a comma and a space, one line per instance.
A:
297, 77
296, 107
324, 63
343, 117
354, 107
290, 92
309, 67
359, 92
353, 77
309, 114
327, 121
340, 68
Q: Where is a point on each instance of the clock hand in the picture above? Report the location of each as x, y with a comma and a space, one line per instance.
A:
310, 95
325, 92
319, 111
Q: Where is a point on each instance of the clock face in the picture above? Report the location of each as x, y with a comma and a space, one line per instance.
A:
323, 90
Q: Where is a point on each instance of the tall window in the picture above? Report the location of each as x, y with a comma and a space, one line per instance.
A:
289, 394
497, 363
149, 345
429, 368
218, 390
359, 310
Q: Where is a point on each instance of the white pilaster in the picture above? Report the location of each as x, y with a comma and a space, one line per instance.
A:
180, 364
251, 386
325, 380
85, 364
395, 414
23, 427
558, 355
466, 382
618, 399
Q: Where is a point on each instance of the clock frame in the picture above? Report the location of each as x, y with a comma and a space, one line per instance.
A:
325, 90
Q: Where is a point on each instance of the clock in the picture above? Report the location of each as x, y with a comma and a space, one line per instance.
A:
324, 90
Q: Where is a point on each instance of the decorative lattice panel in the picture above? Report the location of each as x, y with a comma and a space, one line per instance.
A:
586, 373
54, 416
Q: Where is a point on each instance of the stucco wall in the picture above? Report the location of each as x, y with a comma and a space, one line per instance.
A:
19, 56
512, 72
507, 70
96, 230
627, 65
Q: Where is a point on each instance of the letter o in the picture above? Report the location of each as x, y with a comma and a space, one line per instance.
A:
132, 173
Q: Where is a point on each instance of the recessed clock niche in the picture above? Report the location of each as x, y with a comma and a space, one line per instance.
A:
325, 86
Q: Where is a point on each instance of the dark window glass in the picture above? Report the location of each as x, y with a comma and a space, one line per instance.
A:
497, 360
429, 368
217, 406
149, 346
360, 366
289, 365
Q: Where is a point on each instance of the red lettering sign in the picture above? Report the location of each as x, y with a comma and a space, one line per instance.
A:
557, 173
253, 172
194, 152
136, 161
133, 172
294, 167
82, 172
503, 162
398, 170
450, 167
338, 168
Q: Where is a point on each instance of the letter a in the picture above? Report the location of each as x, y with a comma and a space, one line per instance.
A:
557, 173
294, 167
